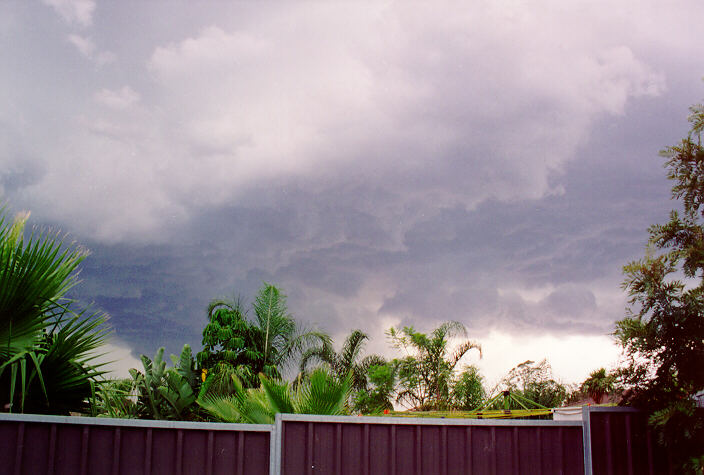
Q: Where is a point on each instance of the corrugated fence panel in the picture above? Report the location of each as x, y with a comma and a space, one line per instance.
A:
621, 443
63, 445
618, 438
350, 445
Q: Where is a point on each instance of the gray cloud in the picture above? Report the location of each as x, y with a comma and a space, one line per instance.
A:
389, 164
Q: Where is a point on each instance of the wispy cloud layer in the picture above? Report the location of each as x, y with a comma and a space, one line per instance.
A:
74, 12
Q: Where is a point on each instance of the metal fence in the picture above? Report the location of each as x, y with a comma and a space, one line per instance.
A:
380, 445
619, 441
606, 440
84, 445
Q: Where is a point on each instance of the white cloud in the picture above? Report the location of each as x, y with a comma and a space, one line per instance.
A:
117, 99
86, 46
117, 360
79, 12
572, 357
83, 44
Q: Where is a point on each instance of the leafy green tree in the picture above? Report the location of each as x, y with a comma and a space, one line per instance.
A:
599, 384
321, 393
663, 332
535, 382
347, 362
47, 347
468, 391
226, 336
425, 373
269, 344
379, 396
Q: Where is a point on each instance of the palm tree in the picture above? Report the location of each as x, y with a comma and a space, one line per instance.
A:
347, 361
322, 393
46, 347
599, 384
281, 339
267, 345
425, 373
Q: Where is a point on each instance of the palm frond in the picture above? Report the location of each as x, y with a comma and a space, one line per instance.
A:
297, 343
450, 329
323, 393
462, 350
320, 354
351, 349
270, 310
278, 395
35, 274
223, 408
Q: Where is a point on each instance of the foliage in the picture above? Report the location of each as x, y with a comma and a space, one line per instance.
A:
166, 393
378, 397
468, 389
266, 345
47, 347
218, 381
548, 393
663, 332
426, 372
346, 362
535, 382
599, 384
321, 393
115, 398
225, 336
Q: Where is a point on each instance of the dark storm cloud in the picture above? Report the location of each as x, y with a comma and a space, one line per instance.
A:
387, 165
447, 265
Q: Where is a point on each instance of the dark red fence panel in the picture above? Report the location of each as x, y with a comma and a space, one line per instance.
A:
621, 443
606, 441
369, 445
81, 445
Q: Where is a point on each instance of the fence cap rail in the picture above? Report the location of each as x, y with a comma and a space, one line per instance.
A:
106, 421
426, 421
611, 409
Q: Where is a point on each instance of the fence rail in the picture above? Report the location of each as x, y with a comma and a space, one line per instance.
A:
606, 440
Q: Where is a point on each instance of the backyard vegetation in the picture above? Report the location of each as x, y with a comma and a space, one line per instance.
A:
49, 344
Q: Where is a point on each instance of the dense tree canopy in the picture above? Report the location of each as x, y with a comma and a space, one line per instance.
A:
663, 333
268, 344
599, 384
536, 383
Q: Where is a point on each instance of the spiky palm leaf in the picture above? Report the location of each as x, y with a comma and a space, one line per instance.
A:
223, 408
35, 275
45, 345
323, 394
278, 394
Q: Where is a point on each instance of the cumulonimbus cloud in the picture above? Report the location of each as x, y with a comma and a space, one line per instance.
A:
449, 104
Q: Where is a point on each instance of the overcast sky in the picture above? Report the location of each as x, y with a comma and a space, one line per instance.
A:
385, 163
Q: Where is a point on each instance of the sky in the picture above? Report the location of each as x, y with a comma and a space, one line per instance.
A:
384, 163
